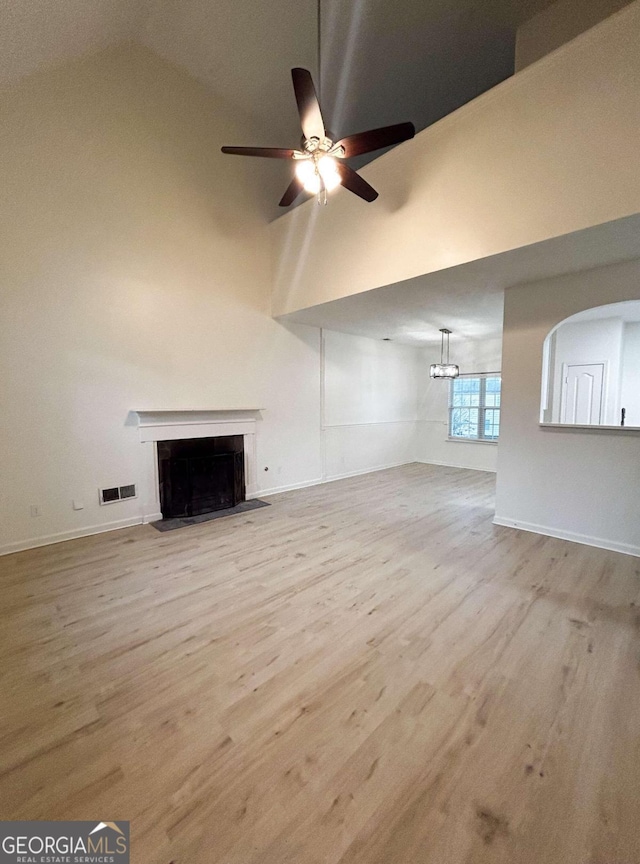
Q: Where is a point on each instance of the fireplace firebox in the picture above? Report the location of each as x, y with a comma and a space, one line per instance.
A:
200, 475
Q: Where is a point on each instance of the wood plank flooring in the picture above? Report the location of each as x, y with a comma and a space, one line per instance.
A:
366, 672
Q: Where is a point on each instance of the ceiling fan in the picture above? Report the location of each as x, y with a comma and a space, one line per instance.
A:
320, 162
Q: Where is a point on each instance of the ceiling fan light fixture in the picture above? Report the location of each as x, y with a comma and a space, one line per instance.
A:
307, 174
318, 172
444, 369
328, 169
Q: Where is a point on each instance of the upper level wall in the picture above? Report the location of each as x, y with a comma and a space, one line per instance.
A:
550, 151
581, 484
558, 24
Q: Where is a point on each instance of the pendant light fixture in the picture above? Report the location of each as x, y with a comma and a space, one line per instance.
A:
444, 369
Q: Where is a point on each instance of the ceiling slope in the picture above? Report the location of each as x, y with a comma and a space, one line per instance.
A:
382, 62
38, 34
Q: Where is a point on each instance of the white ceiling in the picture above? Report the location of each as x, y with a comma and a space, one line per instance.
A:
403, 57
382, 61
469, 299
36, 34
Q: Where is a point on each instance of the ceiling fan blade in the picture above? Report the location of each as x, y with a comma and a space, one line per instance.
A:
308, 106
376, 139
354, 183
293, 190
266, 152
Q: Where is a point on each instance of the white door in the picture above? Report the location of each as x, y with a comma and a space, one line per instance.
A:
581, 400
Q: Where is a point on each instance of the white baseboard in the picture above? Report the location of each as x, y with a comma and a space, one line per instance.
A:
367, 471
49, 539
456, 465
276, 490
151, 517
62, 536
585, 539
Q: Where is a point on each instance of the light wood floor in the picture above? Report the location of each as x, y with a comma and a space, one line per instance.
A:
366, 672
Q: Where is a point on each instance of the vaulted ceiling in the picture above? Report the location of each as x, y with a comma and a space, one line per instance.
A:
382, 61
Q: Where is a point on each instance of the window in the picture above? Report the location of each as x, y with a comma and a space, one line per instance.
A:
474, 407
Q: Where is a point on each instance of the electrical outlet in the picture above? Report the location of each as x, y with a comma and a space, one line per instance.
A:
34, 510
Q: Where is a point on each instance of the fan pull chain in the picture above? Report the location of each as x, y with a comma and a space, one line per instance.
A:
322, 194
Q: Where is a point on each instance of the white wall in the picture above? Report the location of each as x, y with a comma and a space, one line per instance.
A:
630, 387
573, 483
432, 443
370, 403
134, 274
547, 152
584, 342
558, 24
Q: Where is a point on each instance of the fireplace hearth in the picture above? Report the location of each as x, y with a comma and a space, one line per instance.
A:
200, 475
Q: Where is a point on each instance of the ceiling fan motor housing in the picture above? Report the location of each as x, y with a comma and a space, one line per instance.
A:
326, 145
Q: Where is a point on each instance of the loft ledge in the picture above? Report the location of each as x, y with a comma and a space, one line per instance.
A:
592, 427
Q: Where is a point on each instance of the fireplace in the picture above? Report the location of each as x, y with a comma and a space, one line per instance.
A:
200, 475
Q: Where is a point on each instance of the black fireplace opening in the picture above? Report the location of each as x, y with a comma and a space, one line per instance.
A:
200, 475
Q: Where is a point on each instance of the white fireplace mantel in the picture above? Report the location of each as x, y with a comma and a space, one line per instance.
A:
172, 425
157, 425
